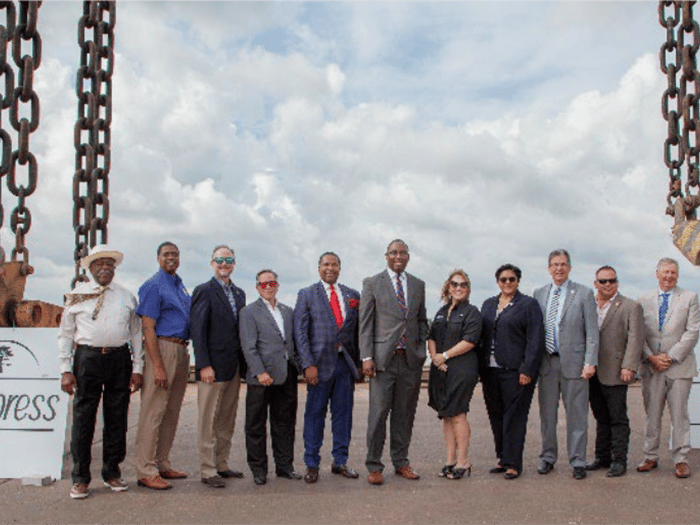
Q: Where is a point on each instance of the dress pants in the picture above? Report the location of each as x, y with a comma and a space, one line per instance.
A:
609, 407
281, 401
508, 407
574, 392
394, 390
658, 390
339, 389
107, 376
160, 410
217, 405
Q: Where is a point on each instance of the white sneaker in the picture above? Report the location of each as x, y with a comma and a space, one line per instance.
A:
79, 491
116, 484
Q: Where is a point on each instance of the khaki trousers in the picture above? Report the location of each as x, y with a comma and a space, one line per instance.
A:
160, 410
218, 404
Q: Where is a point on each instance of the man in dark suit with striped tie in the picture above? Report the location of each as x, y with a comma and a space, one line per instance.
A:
325, 333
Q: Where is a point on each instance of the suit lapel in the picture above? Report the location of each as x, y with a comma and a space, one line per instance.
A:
346, 301
570, 294
219, 292
611, 311
268, 315
389, 289
322, 297
675, 298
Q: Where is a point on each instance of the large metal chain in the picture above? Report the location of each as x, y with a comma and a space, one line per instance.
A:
92, 133
7, 77
21, 218
680, 102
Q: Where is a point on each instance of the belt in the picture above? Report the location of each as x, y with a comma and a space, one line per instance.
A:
400, 351
105, 349
176, 340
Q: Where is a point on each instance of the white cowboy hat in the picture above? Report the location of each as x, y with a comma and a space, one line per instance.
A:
101, 251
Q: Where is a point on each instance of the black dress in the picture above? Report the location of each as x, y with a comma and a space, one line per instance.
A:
449, 393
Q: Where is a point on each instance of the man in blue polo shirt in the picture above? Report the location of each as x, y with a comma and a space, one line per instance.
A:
164, 307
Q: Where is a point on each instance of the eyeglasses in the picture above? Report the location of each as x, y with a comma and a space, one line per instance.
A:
271, 284
507, 279
606, 281
221, 260
455, 284
395, 253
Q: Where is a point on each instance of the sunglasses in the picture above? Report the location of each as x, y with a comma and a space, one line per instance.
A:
271, 284
455, 284
606, 281
507, 279
221, 260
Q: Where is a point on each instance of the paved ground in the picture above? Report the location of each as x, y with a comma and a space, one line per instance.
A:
657, 497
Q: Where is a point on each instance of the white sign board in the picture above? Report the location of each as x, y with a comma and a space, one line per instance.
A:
33, 409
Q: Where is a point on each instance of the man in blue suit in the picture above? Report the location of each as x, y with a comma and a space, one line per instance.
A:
325, 333
218, 362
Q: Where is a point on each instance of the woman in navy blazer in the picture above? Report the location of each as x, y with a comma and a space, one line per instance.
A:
511, 346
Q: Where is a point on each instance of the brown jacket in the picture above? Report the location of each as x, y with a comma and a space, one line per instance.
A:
621, 340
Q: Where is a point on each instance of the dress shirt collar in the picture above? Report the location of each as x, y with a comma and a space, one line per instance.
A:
269, 306
393, 275
172, 279
327, 287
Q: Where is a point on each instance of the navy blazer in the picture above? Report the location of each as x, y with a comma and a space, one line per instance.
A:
214, 330
316, 333
518, 334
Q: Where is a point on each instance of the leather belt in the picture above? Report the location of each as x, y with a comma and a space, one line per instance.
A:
400, 351
105, 349
176, 340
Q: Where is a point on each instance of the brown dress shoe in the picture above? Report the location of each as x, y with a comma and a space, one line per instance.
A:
172, 474
682, 470
375, 478
407, 472
344, 470
311, 475
647, 465
155, 483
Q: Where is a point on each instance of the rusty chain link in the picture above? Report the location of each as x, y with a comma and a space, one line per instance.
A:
21, 217
680, 102
92, 132
7, 78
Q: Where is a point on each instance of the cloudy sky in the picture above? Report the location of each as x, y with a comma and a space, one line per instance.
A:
479, 132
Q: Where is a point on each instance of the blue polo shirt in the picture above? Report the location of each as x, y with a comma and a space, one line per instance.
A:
164, 298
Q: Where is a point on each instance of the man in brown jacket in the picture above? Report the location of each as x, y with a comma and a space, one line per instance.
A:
621, 325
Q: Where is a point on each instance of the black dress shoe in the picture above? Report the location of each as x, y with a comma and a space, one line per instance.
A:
311, 475
545, 467
497, 470
260, 479
598, 464
230, 473
289, 474
616, 470
216, 482
344, 470
579, 472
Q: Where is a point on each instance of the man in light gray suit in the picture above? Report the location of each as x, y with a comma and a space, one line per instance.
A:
569, 361
672, 322
267, 340
621, 339
393, 331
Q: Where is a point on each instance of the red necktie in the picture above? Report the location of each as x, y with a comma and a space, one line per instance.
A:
335, 306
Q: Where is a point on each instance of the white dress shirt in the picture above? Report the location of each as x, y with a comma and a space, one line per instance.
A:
116, 324
404, 282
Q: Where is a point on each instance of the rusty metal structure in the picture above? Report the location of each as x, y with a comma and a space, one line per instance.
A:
92, 140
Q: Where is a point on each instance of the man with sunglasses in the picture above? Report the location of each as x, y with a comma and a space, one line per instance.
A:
267, 339
393, 333
568, 362
672, 324
218, 358
620, 349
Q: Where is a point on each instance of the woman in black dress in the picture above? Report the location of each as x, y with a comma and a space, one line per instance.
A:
512, 342
454, 370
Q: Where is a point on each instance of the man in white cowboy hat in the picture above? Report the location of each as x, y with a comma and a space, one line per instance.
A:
100, 355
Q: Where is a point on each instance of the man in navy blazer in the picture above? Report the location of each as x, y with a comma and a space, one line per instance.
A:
325, 333
218, 361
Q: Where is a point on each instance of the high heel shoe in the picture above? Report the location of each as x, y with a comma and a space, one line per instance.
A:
445, 471
458, 473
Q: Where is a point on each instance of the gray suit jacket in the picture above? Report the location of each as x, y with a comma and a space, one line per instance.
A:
621, 340
678, 336
264, 346
382, 322
578, 329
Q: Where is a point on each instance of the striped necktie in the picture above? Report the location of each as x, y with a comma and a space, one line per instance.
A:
663, 309
550, 340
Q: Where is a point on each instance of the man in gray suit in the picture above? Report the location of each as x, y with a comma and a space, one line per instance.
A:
621, 339
672, 323
393, 331
569, 361
267, 340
